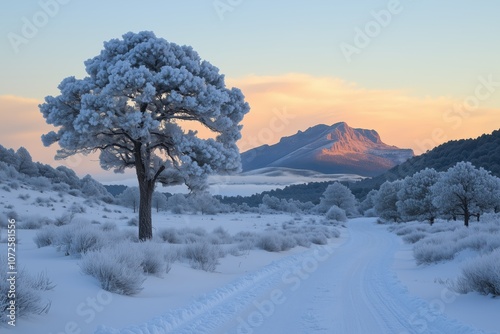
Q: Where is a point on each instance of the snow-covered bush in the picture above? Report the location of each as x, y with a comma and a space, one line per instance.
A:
414, 236
481, 275
154, 259
433, 252
336, 214
40, 183
274, 242
108, 226
170, 235
133, 222
317, 238
13, 215
45, 236
29, 288
24, 197
203, 255
220, 236
77, 239
116, 268
339, 195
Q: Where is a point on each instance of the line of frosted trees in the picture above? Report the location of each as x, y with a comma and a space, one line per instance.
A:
463, 191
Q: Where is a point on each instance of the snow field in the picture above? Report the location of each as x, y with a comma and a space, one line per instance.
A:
59, 237
452, 267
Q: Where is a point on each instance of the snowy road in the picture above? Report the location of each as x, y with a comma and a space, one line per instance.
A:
349, 289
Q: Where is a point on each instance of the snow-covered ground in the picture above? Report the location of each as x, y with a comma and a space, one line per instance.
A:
366, 281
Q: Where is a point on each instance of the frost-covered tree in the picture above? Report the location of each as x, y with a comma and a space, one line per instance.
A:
130, 197
339, 195
92, 188
137, 106
466, 191
366, 207
204, 202
178, 203
159, 201
386, 199
415, 198
9, 156
25, 163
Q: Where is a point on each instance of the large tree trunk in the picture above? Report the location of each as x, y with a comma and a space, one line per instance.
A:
146, 189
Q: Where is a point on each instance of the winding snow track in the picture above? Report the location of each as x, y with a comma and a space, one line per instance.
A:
350, 289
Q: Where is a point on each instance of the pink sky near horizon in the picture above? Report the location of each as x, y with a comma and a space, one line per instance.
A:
281, 106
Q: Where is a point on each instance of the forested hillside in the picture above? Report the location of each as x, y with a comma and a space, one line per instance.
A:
483, 151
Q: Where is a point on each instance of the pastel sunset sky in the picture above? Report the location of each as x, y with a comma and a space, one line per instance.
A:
419, 72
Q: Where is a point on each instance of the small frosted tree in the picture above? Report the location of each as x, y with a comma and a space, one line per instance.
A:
386, 200
367, 206
136, 108
130, 197
415, 198
25, 163
466, 191
159, 201
339, 195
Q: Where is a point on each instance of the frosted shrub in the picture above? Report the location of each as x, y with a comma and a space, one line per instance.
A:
203, 256
133, 222
415, 236
481, 275
45, 236
427, 253
108, 226
153, 258
28, 293
317, 238
29, 223
302, 240
117, 269
193, 235
336, 214
220, 236
273, 242
170, 235
77, 239
40, 183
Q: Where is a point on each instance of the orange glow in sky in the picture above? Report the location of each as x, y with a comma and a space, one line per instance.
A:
283, 105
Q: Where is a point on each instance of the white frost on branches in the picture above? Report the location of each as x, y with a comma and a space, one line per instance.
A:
132, 106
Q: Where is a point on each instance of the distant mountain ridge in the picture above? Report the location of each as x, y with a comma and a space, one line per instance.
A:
334, 149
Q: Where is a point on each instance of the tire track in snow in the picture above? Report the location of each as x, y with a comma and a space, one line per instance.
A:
352, 291
222, 305
359, 294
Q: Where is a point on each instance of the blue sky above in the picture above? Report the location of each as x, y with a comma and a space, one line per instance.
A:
409, 78
429, 48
